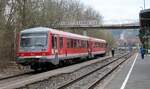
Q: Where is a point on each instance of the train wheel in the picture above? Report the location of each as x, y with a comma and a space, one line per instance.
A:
35, 66
61, 63
36, 69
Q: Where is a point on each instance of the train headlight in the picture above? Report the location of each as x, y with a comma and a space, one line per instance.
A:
43, 49
22, 54
43, 54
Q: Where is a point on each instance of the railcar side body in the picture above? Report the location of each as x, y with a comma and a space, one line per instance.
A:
45, 45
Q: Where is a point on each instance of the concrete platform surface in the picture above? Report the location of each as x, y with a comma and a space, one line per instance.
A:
134, 75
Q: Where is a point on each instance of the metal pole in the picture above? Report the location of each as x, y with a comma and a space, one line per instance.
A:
144, 4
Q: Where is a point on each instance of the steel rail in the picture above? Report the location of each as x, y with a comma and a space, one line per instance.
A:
17, 75
82, 77
111, 71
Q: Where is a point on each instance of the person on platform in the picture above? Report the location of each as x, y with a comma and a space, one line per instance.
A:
112, 52
142, 51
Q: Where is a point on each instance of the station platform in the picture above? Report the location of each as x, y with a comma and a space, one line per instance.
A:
135, 74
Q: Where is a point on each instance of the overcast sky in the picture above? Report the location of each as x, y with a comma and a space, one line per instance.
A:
117, 10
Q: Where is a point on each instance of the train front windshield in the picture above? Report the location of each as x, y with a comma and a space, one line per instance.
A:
33, 42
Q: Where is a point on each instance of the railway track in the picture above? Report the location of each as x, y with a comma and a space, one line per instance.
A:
11, 79
99, 80
17, 76
115, 63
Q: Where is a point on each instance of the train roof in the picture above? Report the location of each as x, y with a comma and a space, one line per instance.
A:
96, 39
36, 29
54, 31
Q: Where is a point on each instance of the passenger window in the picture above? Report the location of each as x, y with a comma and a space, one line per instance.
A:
75, 43
78, 43
87, 44
68, 43
71, 43
82, 44
61, 42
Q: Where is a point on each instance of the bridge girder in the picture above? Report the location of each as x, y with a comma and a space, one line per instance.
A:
99, 27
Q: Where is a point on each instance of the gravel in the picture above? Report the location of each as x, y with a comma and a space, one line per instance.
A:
13, 69
89, 80
60, 80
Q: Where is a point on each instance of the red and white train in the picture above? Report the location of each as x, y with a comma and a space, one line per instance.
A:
39, 47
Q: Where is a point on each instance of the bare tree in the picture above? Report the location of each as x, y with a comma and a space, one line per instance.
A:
16, 15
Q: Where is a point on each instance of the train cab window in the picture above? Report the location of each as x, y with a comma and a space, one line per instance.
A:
61, 42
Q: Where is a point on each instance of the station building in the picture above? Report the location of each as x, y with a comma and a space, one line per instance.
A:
144, 33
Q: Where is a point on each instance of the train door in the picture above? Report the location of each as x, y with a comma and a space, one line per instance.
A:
90, 56
55, 49
61, 45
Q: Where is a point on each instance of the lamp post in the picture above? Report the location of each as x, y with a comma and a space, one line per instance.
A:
144, 4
